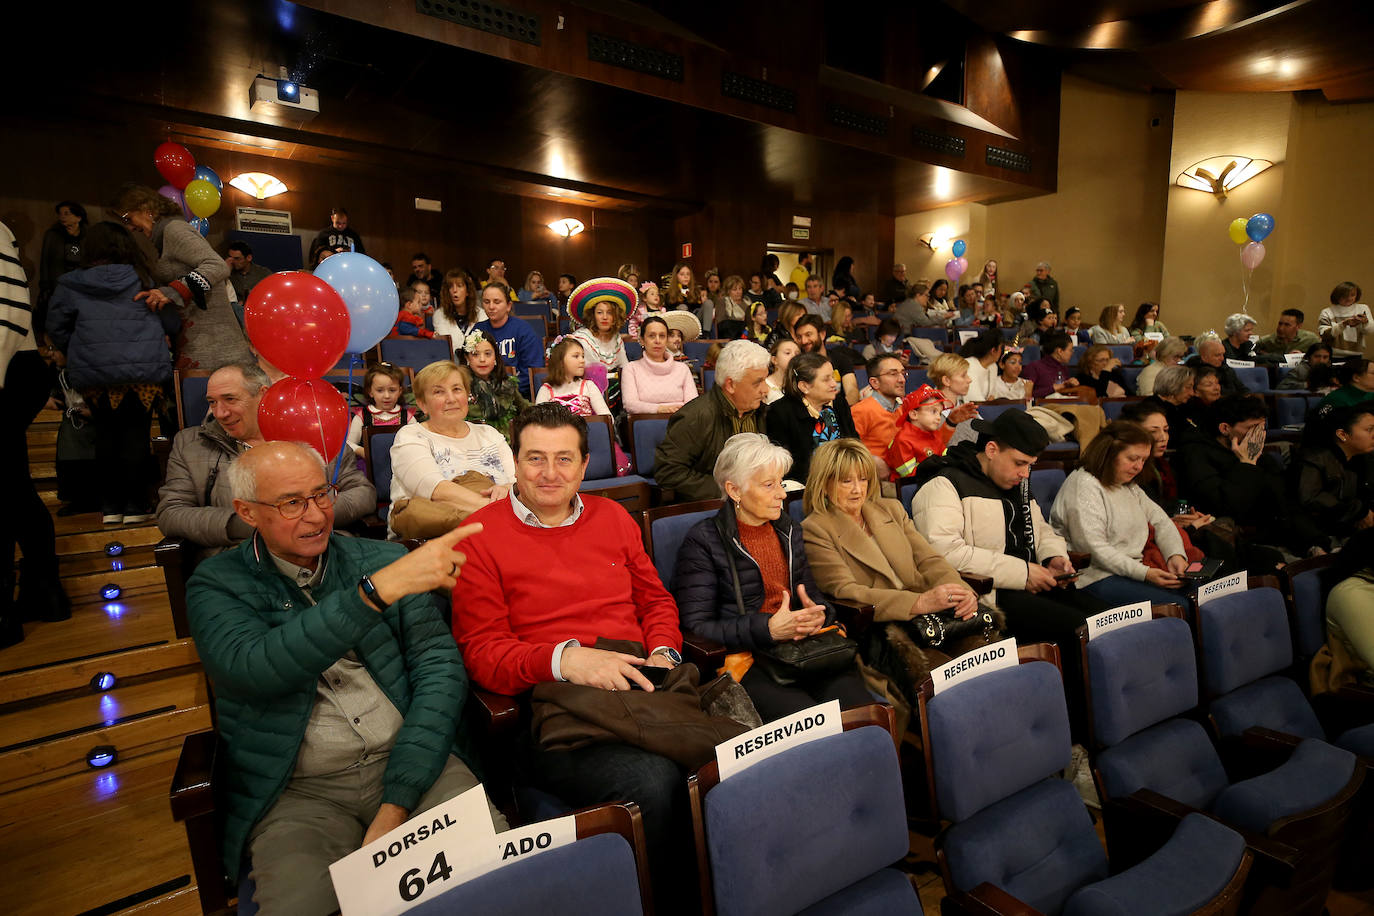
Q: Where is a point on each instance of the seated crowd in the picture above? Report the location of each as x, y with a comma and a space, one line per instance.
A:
341, 679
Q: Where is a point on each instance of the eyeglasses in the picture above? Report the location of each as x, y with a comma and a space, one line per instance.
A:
124, 217
892, 372
294, 507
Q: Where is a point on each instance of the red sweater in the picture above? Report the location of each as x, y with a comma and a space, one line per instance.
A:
524, 590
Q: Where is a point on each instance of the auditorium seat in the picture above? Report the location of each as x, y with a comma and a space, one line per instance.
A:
1255, 379
603, 873
1132, 375
1291, 408
192, 404
1030, 353
759, 851
1123, 352
1019, 834
1291, 804
418, 352
1303, 592
916, 376
1112, 407
665, 528
939, 336
377, 465
630, 490
633, 350
1045, 484
646, 432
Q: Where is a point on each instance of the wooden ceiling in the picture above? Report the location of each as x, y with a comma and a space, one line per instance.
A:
1218, 46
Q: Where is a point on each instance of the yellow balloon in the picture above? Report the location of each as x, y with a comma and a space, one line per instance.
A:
203, 200
1236, 230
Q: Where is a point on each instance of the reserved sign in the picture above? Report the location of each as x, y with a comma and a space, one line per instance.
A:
1117, 618
739, 754
1156, 336
966, 667
1237, 582
1241, 363
419, 860
966, 336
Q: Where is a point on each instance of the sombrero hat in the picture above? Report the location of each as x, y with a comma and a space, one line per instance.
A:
685, 322
589, 295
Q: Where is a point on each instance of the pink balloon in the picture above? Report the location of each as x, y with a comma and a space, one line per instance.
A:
954, 269
1251, 254
176, 197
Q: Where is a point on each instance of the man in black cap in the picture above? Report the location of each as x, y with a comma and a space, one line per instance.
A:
974, 505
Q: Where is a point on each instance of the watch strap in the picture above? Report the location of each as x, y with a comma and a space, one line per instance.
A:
370, 593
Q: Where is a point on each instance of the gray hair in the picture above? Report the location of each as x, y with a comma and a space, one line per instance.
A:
738, 357
744, 455
1209, 338
254, 378
1171, 346
1236, 323
1044, 264
243, 470
1171, 381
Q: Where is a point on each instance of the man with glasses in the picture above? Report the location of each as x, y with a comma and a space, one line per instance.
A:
874, 416
195, 502
338, 688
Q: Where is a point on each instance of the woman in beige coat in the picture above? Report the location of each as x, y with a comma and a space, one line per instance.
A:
864, 549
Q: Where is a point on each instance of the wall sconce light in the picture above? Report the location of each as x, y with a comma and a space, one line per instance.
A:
933, 240
1221, 174
567, 228
259, 184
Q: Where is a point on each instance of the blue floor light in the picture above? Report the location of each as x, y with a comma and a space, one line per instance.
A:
109, 591
114, 549
102, 755
103, 681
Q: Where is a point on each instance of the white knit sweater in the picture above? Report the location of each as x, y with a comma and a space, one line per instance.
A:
1111, 523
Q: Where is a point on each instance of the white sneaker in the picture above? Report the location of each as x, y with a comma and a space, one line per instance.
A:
138, 519
112, 519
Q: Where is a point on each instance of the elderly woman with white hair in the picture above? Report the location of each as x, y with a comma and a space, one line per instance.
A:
742, 579
1170, 352
1240, 328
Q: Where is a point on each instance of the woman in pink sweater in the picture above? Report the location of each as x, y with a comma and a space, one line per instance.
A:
656, 383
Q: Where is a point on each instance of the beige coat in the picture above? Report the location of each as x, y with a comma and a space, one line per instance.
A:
888, 569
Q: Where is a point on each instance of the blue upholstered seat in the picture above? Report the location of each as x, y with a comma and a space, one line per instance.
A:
771, 855
667, 535
379, 469
601, 458
1255, 379
647, 433
194, 402
1275, 703
1045, 486
595, 876
1183, 875
1310, 626
1313, 774
416, 353
1359, 740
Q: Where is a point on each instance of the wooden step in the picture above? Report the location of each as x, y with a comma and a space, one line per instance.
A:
41, 435
44, 472
89, 542
141, 618
39, 723
83, 841
89, 585
74, 675
48, 416
90, 523
90, 563
64, 756
43, 454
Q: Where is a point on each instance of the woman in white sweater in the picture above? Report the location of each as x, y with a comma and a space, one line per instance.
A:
1099, 510
446, 468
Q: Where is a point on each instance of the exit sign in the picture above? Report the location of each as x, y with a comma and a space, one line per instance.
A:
799, 232
686, 249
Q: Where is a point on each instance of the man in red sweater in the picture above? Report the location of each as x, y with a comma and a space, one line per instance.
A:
551, 572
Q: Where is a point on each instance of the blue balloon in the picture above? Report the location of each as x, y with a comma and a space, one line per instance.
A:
960, 248
1259, 226
205, 173
201, 224
367, 292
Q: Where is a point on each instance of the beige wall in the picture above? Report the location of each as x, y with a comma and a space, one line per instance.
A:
1102, 231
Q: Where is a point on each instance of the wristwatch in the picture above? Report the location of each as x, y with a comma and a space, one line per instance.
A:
670, 653
370, 593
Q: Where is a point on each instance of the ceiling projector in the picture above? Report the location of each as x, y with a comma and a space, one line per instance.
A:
283, 98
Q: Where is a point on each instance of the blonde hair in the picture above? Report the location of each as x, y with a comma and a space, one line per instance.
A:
437, 372
831, 461
945, 365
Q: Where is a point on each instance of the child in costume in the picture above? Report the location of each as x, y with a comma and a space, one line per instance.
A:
924, 433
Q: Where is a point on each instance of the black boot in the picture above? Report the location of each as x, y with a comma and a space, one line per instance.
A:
41, 596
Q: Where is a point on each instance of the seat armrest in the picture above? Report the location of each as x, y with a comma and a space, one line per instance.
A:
706, 654
1275, 859
193, 793
177, 558
981, 585
986, 899
496, 712
855, 617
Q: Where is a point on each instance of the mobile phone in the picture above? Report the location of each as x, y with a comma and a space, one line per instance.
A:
1202, 569
653, 674
1064, 577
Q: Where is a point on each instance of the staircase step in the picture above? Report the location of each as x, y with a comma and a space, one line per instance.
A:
140, 536
43, 472
41, 435
90, 563
139, 619
62, 676
113, 825
89, 584
90, 523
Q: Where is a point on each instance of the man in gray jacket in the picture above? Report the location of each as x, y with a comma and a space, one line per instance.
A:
195, 501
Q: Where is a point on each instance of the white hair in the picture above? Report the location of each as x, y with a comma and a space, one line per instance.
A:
1170, 346
1236, 323
1171, 380
1044, 264
243, 470
738, 357
1209, 337
744, 455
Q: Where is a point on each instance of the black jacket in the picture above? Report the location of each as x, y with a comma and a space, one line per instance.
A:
705, 591
1330, 490
1215, 481
791, 425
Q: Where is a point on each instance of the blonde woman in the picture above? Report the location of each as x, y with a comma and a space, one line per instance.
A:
1111, 327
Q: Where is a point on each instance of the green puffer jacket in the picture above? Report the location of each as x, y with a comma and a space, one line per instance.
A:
264, 647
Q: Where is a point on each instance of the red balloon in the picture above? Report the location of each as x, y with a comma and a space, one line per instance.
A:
175, 163
297, 322
308, 410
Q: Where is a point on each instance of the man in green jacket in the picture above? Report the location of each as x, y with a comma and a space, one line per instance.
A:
697, 432
338, 687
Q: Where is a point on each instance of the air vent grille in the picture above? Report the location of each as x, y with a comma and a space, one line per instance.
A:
1008, 159
487, 17
640, 58
748, 89
938, 142
852, 119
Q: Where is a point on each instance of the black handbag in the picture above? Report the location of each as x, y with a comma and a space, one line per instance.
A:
823, 654
932, 631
